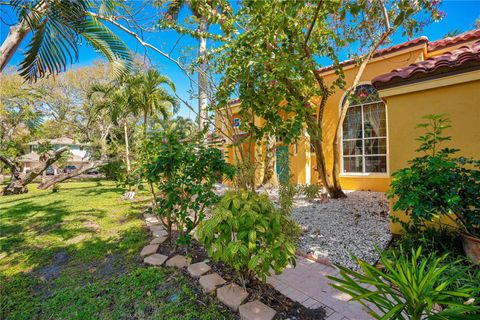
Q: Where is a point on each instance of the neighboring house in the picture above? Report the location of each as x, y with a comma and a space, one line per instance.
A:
379, 132
78, 154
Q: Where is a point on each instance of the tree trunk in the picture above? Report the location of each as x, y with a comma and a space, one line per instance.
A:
269, 162
127, 149
145, 118
65, 176
127, 153
202, 77
16, 35
19, 181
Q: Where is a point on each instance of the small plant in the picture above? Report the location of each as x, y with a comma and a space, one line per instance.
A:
312, 191
56, 188
181, 172
437, 183
245, 232
286, 192
409, 287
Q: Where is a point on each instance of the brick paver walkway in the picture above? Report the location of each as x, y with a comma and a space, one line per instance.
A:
307, 283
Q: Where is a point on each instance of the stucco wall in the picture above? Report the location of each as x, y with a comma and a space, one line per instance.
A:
460, 101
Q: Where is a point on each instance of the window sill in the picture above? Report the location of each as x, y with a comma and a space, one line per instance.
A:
364, 175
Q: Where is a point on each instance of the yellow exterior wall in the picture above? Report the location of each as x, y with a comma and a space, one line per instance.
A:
379, 66
460, 101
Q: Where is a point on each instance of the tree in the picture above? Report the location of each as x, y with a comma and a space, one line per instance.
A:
273, 62
204, 13
146, 94
55, 26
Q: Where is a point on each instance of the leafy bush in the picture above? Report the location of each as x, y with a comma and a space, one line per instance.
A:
245, 232
181, 172
437, 183
312, 191
286, 192
409, 288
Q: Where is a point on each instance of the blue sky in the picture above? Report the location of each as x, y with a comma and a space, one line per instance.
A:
459, 15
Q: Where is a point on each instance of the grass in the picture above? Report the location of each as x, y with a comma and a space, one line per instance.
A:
75, 255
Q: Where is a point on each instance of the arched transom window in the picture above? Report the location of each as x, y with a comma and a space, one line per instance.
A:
364, 139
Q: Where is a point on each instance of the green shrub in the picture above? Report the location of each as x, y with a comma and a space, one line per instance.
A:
409, 287
286, 192
437, 183
245, 231
312, 191
181, 172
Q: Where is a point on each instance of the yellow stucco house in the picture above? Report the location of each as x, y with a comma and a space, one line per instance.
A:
401, 84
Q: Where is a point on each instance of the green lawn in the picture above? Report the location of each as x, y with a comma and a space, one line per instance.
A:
75, 255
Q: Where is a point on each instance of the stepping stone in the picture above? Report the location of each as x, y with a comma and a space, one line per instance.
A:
178, 261
151, 220
156, 259
256, 310
158, 240
232, 295
148, 250
210, 282
198, 269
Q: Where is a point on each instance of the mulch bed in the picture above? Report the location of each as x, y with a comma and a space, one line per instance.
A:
285, 307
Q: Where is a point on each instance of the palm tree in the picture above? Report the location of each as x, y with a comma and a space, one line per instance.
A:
147, 96
56, 26
199, 10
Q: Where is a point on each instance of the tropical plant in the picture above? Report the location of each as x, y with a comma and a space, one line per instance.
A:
204, 13
146, 95
245, 231
286, 193
181, 173
312, 191
56, 26
271, 63
438, 183
409, 287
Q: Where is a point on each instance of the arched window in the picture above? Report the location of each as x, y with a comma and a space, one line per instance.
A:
364, 139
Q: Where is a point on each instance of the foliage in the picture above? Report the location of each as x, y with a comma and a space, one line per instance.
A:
182, 172
271, 62
114, 170
245, 175
311, 191
438, 183
409, 287
245, 231
56, 27
286, 193
437, 239
101, 278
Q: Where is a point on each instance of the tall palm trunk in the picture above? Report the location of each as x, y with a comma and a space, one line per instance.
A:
16, 35
127, 151
145, 119
202, 77
11, 43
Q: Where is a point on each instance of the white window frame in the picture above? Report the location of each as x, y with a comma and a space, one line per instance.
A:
364, 173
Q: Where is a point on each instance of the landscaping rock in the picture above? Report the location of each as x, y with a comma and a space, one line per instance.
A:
198, 269
148, 250
232, 295
210, 282
158, 231
256, 310
156, 259
178, 261
152, 220
158, 240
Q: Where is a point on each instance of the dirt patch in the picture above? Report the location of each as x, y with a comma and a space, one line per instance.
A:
52, 271
285, 307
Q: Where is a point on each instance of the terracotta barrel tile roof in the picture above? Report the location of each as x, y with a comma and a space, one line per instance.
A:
466, 58
381, 52
451, 41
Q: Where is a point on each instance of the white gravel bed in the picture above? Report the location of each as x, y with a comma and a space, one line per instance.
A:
340, 227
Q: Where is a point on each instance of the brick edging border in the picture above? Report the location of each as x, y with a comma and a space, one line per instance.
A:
313, 258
